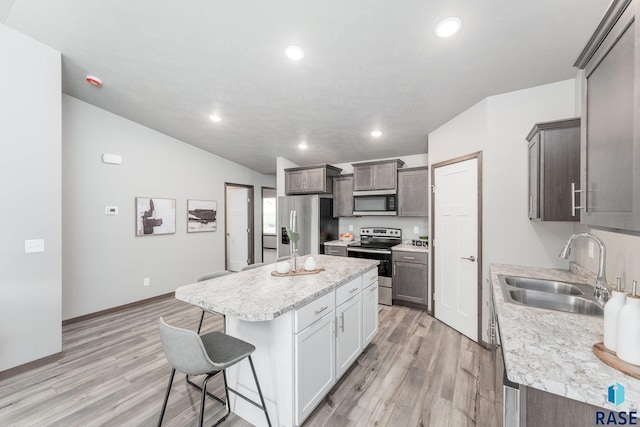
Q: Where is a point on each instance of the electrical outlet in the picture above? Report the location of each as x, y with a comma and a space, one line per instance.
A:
350, 227
416, 229
147, 281
591, 245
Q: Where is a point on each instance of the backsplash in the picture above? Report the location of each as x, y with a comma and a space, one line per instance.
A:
406, 224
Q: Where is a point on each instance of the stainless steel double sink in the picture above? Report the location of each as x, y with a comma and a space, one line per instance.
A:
550, 295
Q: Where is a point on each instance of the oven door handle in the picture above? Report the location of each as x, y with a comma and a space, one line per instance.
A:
369, 251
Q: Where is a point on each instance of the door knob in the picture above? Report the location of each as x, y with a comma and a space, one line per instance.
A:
471, 258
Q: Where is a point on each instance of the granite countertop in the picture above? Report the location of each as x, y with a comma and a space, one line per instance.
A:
551, 350
256, 295
340, 243
408, 247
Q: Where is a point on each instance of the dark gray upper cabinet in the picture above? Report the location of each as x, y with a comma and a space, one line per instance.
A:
413, 194
380, 175
610, 152
343, 195
310, 179
554, 170
410, 279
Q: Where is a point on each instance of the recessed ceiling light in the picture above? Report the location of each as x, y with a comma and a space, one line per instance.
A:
294, 53
376, 134
94, 81
448, 27
215, 118
303, 145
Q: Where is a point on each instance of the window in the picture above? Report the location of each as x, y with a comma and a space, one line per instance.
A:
269, 215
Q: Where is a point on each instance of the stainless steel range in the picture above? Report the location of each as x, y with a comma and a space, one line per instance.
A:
376, 243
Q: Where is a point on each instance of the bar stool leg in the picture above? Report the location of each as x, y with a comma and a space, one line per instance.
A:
255, 377
226, 392
166, 397
200, 324
203, 397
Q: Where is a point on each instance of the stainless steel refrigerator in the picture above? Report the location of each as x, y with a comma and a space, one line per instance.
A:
315, 222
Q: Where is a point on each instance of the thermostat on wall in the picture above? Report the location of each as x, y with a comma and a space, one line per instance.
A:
111, 210
112, 159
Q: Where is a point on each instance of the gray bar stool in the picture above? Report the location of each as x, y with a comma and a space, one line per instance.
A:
252, 266
208, 355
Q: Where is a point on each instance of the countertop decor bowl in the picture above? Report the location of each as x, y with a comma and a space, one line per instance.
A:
347, 239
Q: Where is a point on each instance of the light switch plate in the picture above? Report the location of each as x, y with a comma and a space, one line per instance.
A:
350, 227
33, 246
416, 229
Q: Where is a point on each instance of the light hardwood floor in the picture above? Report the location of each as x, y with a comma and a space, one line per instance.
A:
416, 372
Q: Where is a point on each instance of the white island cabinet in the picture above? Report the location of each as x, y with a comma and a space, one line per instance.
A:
308, 330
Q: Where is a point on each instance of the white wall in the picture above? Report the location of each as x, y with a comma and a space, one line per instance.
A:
104, 262
498, 127
30, 164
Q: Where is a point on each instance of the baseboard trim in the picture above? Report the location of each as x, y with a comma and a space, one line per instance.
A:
30, 365
116, 309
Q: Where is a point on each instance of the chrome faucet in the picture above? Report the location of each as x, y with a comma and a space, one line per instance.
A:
601, 290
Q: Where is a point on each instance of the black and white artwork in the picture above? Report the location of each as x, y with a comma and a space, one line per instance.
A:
155, 216
201, 216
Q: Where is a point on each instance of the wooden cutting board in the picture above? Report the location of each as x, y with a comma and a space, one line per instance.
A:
610, 358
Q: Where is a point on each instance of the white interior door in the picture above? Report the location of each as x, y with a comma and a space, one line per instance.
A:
237, 227
455, 246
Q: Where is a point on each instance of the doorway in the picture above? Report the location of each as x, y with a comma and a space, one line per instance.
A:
456, 243
238, 224
269, 235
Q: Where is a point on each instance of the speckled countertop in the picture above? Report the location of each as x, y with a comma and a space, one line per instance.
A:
256, 295
551, 350
340, 243
408, 247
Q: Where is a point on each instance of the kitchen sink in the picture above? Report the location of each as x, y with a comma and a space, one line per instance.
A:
550, 286
550, 295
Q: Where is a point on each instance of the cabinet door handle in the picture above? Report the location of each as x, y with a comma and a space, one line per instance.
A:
321, 309
470, 258
373, 289
574, 207
408, 257
342, 322
353, 290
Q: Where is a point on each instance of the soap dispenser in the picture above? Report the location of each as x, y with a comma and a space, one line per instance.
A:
628, 341
611, 310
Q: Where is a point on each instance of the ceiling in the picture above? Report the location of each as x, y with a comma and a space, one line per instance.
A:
169, 64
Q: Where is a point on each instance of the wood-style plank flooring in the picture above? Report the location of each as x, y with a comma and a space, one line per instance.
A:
416, 372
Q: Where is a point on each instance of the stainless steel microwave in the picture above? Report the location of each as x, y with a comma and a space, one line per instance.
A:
374, 204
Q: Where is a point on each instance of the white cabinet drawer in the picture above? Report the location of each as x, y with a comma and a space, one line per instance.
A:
369, 278
348, 290
313, 311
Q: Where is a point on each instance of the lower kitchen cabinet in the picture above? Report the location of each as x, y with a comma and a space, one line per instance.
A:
335, 250
369, 313
410, 279
315, 368
349, 334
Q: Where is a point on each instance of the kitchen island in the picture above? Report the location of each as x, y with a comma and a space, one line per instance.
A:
549, 353
307, 330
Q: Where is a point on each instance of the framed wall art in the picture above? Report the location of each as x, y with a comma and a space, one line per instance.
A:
202, 216
155, 216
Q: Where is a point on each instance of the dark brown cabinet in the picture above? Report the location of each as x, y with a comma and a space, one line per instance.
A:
376, 176
610, 160
410, 279
554, 170
335, 250
310, 179
343, 195
413, 192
